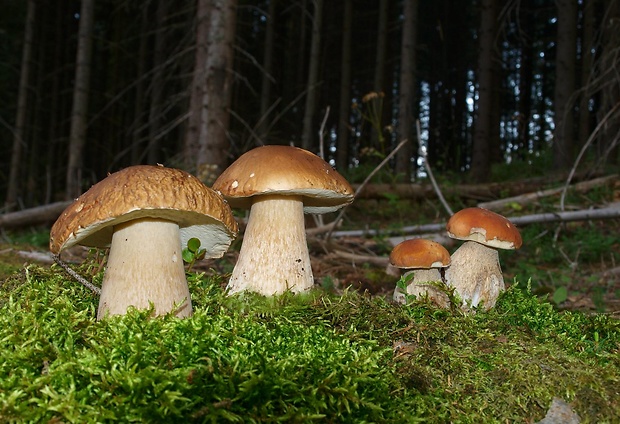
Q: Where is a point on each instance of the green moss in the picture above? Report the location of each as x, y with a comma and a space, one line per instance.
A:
314, 357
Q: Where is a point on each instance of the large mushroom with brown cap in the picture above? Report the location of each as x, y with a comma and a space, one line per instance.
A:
475, 272
278, 184
145, 214
422, 260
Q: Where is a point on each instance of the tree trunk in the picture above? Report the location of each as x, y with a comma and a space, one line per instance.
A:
156, 101
563, 138
139, 103
214, 144
377, 138
307, 135
344, 109
526, 74
19, 133
587, 45
79, 113
481, 153
407, 89
267, 79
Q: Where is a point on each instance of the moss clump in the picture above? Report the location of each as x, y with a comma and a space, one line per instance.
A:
314, 357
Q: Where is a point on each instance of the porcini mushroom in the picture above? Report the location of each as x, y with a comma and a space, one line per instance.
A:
145, 214
278, 184
421, 259
475, 272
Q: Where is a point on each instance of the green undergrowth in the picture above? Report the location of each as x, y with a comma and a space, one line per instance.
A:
297, 358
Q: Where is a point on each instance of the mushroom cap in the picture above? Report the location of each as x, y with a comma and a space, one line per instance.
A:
485, 227
146, 191
284, 170
419, 253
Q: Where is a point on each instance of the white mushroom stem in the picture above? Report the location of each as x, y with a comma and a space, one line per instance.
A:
274, 254
476, 275
145, 266
419, 286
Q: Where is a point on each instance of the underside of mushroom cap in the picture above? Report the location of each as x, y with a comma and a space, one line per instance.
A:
145, 191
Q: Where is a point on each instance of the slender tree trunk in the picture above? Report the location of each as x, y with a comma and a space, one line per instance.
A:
526, 75
214, 144
19, 134
139, 103
587, 39
267, 79
563, 138
407, 88
344, 108
156, 101
191, 145
481, 153
308, 134
79, 113
376, 135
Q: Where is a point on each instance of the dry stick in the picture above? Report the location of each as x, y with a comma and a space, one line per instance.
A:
582, 152
422, 152
321, 136
77, 276
363, 184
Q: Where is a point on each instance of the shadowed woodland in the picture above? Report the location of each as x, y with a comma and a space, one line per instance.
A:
94, 86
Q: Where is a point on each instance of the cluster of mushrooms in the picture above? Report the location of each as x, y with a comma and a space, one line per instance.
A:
146, 214
473, 271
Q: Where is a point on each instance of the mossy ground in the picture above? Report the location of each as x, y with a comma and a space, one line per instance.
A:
317, 357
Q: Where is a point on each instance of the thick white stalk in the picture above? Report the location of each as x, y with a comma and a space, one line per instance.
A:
274, 254
145, 265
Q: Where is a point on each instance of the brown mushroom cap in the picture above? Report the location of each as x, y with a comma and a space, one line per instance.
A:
146, 191
419, 253
485, 227
284, 170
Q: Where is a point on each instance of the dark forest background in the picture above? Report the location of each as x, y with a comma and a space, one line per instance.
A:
89, 87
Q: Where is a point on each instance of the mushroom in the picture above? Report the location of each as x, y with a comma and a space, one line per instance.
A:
422, 259
278, 184
145, 214
475, 272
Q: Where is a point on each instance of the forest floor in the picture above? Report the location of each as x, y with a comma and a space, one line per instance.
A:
556, 341
576, 265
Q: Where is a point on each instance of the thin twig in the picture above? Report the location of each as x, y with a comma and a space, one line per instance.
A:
582, 152
363, 184
321, 134
77, 276
422, 152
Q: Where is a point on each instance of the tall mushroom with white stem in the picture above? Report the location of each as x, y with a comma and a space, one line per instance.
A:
421, 260
278, 184
145, 214
475, 272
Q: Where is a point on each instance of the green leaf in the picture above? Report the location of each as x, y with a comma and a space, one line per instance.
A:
560, 295
193, 244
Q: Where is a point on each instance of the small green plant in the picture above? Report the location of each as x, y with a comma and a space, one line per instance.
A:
193, 252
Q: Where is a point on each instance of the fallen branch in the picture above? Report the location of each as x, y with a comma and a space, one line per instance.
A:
526, 198
610, 212
33, 216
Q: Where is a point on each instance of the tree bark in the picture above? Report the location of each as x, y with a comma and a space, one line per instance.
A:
307, 135
79, 113
214, 144
483, 132
267, 78
344, 109
19, 133
156, 101
407, 89
563, 139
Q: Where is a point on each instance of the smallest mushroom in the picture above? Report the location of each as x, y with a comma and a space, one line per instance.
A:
422, 259
475, 272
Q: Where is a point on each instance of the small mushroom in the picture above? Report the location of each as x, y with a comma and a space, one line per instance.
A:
278, 184
422, 259
145, 214
475, 272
